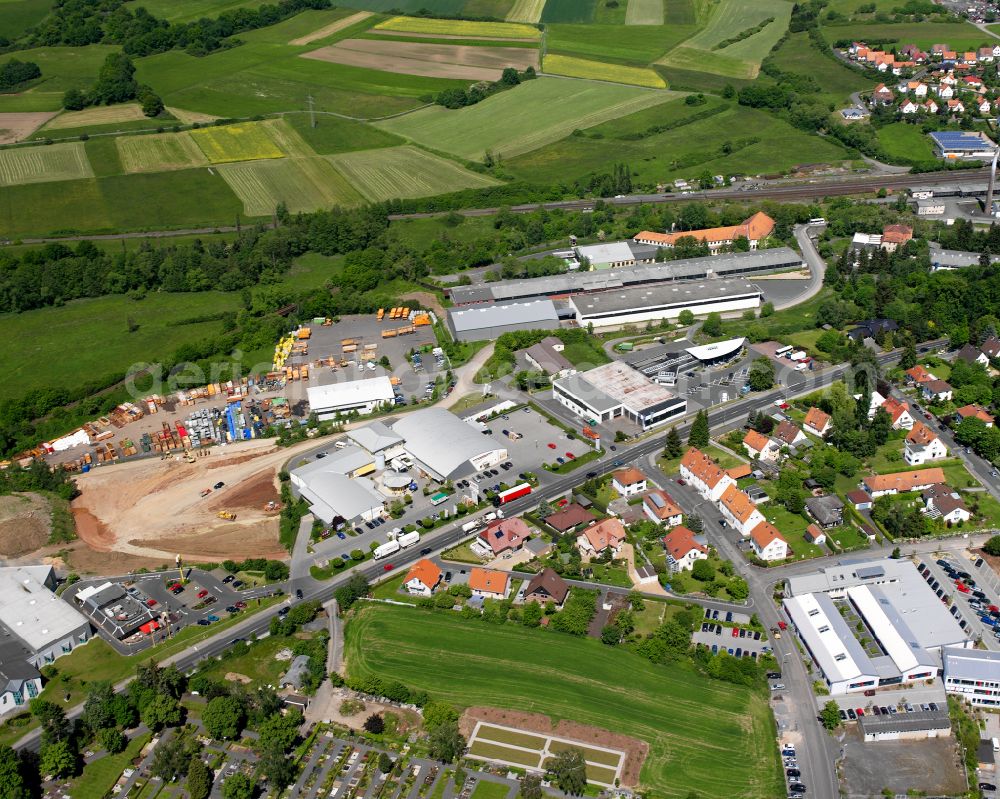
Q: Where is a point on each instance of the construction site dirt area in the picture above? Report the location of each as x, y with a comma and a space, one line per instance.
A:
158, 508
25, 522
634, 749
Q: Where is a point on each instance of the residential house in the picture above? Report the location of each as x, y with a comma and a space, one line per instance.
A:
683, 548
489, 584
660, 507
908, 107
917, 375
930, 107
956, 107
547, 356
422, 578
739, 511
755, 229
504, 535
894, 236
972, 82
898, 413
991, 347
941, 501
936, 391
545, 587
628, 482
860, 499
760, 447
923, 445
984, 107
788, 434
569, 518
970, 353
827, 510
945, 92
607, 534
704, 474
767, 543
870, 328
882, 95
975, 411
969, 58
817, 422
879, 485
814, 535
986, 54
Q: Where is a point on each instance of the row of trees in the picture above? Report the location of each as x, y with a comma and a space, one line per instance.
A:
116, 83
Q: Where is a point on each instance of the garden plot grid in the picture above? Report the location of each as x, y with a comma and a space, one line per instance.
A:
514, 747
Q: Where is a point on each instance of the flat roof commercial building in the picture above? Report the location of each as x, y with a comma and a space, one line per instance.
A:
612, 255
363, 396
334, 497
726, 265
906, 726
653, 303
973, 674
444, 446
617, 390
904, 625
487, 322
963, 145
113, 609
46, 625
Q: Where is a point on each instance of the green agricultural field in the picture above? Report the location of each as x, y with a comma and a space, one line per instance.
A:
534, 114
334, 135
250, 141
189, 10
159, 152
43, 208
573, 67
104, 156
706, 737
62, 68
568, 11
16, 16
302, 184
625, 44
901, 140
729, 19
680, 12
526, 11
760, 144
644, 12
403, 172
434, 6
264, 78
177, 199
798, 54
43, 164
459, 27
42, 360
960, 35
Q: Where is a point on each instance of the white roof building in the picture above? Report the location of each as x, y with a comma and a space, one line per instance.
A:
973, 673
612, 254
375, 437
331, 496
363, 396
443, 445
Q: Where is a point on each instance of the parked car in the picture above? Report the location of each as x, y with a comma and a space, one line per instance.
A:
228, 579
202, 594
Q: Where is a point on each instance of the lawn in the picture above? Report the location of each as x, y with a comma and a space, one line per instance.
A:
792, 526
707, 50
573, 67
757, 142
530, 116
62, 68
569, 11
190, 10
403, 172
16, 16
99, 776
723, 458
644, 12
334, 135
904, 141
102, 322
490, 790
709, 737
256, 662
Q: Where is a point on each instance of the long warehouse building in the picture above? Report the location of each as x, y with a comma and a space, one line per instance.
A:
486, 322
652, 303
711, 266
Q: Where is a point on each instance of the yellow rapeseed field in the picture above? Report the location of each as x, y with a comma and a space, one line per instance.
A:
459, 27
599, 70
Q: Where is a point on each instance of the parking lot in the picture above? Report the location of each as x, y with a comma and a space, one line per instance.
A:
720, 638
206, 598
976, 607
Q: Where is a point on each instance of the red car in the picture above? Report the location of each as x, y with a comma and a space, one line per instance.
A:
202, 593
782, 625
860, 712
388, 567
571, 456
241, 604
151, 603
562, 502
993, 609
681, 481
551, 445
736, 632
962, 587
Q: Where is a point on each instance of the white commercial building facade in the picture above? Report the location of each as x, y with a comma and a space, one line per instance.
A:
617, 390
363, 396
973, 674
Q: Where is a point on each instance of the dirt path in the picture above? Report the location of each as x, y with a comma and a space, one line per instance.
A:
332, 28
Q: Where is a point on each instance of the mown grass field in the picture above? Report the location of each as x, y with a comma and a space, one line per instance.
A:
837, 82
335, 135
243, 142
42, 164
159, 152
62, 68
644, 12
573, 67
760, 144
99, 115
459, 27
434, 6
729, 19
530, 116
403, 172
16, 16
302, 184
960, 35
707, 737
569, 11
526, 11
902, 140
625, 44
